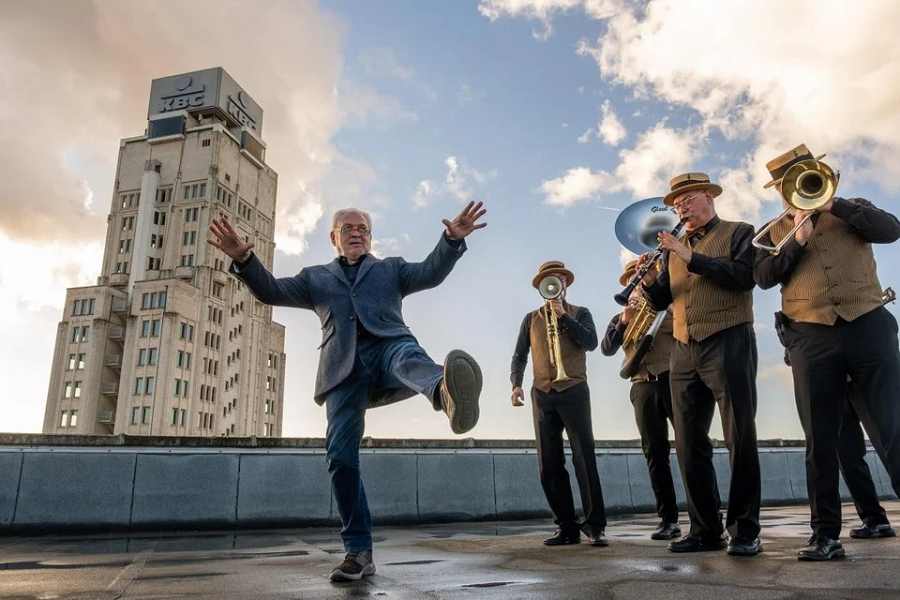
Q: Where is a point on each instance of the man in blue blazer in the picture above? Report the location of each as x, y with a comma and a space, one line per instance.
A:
369, 356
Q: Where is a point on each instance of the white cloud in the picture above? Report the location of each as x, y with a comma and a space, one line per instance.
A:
643, 170
747, 73
610, 128
383, 63
461, 179
544, 10
579, 183
423, 194
364, 105
585, 138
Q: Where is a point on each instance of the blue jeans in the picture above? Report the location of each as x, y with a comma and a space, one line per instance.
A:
381, 363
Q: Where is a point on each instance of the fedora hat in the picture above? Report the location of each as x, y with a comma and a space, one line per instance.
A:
628, 271
779, 165
553, 267
687, 182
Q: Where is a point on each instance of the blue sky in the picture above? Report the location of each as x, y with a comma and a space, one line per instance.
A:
407, 109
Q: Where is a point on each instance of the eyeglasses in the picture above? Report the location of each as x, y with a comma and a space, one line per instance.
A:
687, 200
347, 229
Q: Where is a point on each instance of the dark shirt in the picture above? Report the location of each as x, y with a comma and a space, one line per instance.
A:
872, 224
734, 272
615, 332
580, 330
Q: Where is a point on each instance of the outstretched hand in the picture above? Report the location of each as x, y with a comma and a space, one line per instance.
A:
466, 221
225, 238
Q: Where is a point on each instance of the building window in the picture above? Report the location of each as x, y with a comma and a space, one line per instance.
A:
145, 328
142, 357
83, 307
139, 386
183, 412
76, 390
64, 419
73, 418
156, 241
152, 355
174, 417
68, 391
187, 332
187, 260
155, 325
217, 288
145, 415
191, 214
81, 361
135, 415
150, 386
205, 143
153, 263
159, 217
153, 300
70, 366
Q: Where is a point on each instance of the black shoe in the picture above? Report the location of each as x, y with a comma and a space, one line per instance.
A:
460, 390
356, 565
822, 548
666, 531
868, 532
563, 538
598, 538
741, 546
695, 543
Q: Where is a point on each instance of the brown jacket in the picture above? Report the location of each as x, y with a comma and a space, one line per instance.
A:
577, 336
834, 274
715, 291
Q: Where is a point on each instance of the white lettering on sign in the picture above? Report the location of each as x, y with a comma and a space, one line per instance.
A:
182, 102
235, 110
185, 98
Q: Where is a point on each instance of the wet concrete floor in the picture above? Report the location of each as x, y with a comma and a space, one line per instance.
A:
459, 560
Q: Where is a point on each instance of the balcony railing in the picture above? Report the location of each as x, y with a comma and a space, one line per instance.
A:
114, 361
119, 305
116, 333
110, 389
107, 417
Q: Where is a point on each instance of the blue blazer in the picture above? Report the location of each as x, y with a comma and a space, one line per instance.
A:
375, 298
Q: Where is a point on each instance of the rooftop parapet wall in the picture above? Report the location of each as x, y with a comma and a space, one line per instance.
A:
54, 483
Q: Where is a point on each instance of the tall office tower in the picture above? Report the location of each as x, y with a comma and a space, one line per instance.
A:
168, 342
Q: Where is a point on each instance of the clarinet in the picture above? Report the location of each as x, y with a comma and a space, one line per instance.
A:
622, 297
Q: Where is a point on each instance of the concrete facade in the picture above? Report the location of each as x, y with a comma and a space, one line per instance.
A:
52, 484
167, 342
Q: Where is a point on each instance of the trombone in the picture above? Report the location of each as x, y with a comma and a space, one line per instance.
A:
807, 185
550, 288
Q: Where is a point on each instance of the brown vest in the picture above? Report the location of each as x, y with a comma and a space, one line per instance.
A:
656, 361
835, 276
574, 358
700, 307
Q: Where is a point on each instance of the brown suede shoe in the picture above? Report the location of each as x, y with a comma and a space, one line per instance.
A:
460, 390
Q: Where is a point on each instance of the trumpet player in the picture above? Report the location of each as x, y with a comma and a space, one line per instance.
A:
650, 396
559, 335
708, 281
835, 327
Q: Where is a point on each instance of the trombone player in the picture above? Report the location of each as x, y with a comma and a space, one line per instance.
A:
820, 252
559, 335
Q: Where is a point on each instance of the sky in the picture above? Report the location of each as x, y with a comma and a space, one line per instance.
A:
555, 113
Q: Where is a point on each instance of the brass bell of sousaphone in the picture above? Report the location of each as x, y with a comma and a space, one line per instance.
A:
806, 184
551, 287
639, 224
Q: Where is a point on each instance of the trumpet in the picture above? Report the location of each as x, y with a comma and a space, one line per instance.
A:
550, 288
622, 297
807, 185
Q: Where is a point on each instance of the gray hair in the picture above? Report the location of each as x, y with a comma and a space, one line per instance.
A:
340, 214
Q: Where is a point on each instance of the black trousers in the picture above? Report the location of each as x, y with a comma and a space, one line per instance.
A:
652, 402
569, 410
720, 370
853, 466
822, 357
